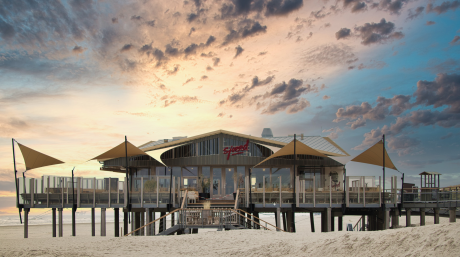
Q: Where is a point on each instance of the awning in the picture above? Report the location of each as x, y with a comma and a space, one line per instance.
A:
300, 148
34, 159
156, 154
374, 156
120, 151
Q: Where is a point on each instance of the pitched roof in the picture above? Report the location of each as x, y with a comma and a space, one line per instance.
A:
323, 145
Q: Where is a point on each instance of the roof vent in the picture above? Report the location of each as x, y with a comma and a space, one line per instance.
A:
267, 132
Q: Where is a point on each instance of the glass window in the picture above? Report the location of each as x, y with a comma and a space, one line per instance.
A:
163, 171
189, 171
285, 174
257, 175
240, 173
205, 179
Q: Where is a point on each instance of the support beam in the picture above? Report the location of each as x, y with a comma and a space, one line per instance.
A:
162, 223
257, 215
386, 215
53, 217
312, 222
422, 216
26, 222
408, 216
60, 225
283, 217
93, 221
328, 219
125, 221
142, 221
340, 223
436, 215
137, 223
116, 222
103, 224
363, 221
277, 218
148, 219
153, 218
452, 217
74, 232
332, 222
395, 218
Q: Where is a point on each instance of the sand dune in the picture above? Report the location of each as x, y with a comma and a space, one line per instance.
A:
430, 240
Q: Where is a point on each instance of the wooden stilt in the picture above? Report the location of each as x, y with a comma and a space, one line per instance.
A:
312, 222
103, 224
93, 221
117, 222
26, 223
53, 217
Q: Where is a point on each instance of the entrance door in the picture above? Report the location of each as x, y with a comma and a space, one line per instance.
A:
229, 182
216, 182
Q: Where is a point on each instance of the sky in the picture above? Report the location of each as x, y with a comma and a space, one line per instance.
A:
77, 76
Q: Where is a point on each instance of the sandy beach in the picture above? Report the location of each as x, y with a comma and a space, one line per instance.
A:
430, 240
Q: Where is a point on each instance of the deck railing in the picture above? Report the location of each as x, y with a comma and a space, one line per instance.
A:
156, 191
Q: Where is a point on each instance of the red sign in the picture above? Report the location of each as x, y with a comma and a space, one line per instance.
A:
234, 150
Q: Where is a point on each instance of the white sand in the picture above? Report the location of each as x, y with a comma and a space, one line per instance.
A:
430, 240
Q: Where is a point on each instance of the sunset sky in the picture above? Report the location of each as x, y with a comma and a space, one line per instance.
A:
77, 76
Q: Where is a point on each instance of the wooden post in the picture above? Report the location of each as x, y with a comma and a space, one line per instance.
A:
53, 217
436, 215
408, 217
78, 191
32, 193
296, 191
278, 210
26, 222
94, 192
314, 190
452, 216
125, 200
158, 190
125, 221
330, 190
422, 216
48, 196
303, 191
93, 221
329, 215
117, 222
312, 222
110, 182
103, 224
380, 194
60, 225
142, 192
347, 194
263, 190
281, 200
364, 191
148, 220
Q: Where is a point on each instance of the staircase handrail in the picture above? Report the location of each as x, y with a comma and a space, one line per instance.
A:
164, 216
185, 199
248, 219
236, 199
261, 220
357, 223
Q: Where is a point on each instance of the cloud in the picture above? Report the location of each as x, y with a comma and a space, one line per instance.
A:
418, 11
282, 7
325, 97
126, 47
402, 144
374, 33
237, 97
245, 28
333, 132
215, 61
221, 115
455, 41
6, 30
443, 92
188, 81
342, 33
210, 40
286, 96
136, 18
329, 55
114, 20
174, 70
444, 7
78, 50
239, 50
429, 23
150, 23
360, 122
204, 77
